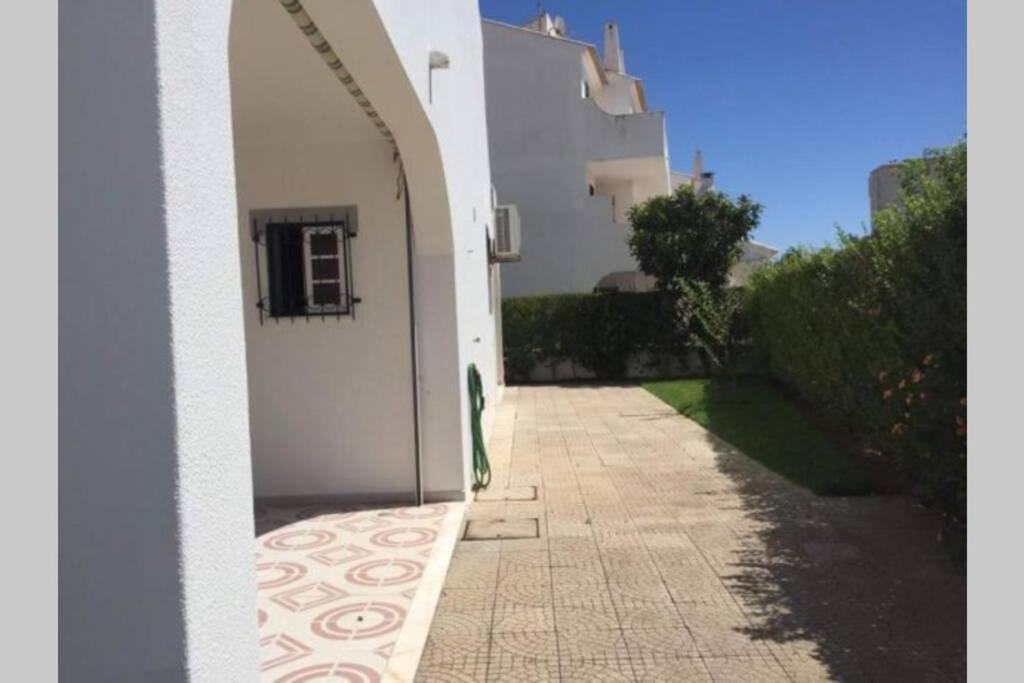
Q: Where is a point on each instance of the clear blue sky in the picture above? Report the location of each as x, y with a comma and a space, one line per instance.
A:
793, 102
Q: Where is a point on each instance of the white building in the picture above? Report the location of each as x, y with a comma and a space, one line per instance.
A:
573, 146
179, 396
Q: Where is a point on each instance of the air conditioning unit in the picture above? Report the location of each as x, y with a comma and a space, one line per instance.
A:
507, 237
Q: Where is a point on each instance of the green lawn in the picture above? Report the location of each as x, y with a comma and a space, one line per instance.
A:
754, 417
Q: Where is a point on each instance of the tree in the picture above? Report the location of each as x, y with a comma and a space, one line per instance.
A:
688, 241
691, 237
711, 322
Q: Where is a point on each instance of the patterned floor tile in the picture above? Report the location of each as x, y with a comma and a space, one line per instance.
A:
335, 587
666, 555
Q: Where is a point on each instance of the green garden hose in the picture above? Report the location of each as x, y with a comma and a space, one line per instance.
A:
481, 466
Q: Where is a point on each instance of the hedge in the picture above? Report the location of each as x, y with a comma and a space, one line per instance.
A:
873, 332
597, 331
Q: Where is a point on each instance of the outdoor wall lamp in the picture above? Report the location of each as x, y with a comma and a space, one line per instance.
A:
438, 60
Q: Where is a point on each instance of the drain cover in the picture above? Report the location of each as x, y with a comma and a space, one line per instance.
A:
511, 493
501, 529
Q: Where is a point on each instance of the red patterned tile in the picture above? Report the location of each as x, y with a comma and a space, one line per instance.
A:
299, 539
425, 512
350, 672
277, 574
309, 596
359, 621
332, 557
279, 649
404, 537
385, 572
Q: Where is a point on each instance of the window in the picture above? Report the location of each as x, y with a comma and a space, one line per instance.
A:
585, 89
304, 258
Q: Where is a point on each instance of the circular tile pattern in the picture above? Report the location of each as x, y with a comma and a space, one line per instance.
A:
524, 643
404, 538
343, 671
523, 588
359, 621
424, 512
277, 574
452, 625
385, 572
443, 675
300, 539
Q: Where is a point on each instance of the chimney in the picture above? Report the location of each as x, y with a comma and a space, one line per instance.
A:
701, 180
613, 60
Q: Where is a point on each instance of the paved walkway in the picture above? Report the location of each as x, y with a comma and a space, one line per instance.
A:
665, 555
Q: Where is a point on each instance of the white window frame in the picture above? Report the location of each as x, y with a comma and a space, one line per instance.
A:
309, 257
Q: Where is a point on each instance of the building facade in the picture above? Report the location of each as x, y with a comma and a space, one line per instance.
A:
273, 235
574, 145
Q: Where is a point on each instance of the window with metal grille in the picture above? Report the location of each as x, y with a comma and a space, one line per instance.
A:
305, 258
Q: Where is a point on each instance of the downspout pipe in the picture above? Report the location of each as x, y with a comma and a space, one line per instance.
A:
413, 341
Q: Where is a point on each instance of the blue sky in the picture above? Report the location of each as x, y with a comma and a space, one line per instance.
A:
793, 102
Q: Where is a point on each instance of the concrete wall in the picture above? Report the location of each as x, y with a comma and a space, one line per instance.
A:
542, 135
156, 574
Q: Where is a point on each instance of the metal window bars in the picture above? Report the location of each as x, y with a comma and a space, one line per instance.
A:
303, 260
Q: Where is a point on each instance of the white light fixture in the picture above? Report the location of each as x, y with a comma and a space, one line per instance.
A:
438, 60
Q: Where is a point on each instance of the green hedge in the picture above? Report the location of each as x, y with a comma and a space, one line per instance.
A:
597, 331
873, 332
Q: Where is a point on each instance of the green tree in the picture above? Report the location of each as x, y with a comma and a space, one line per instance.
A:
688, 241
691, 237
711, 322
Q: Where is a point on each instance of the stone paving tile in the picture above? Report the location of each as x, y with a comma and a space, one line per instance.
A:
747, 669
666, 555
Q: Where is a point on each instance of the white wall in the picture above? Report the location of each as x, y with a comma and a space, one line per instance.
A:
542, 135
616, 97
156, 574
459, 117
331, 400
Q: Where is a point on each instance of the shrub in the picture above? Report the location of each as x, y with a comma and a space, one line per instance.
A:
712, 322
874, 331
598, 331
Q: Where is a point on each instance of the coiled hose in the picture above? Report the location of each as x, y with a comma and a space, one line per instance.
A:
481, 466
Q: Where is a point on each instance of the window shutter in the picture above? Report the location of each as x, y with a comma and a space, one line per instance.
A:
285, 270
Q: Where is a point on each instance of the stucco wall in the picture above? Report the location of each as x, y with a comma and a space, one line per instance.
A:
156, 573
331, 400
458, 114
542, 135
